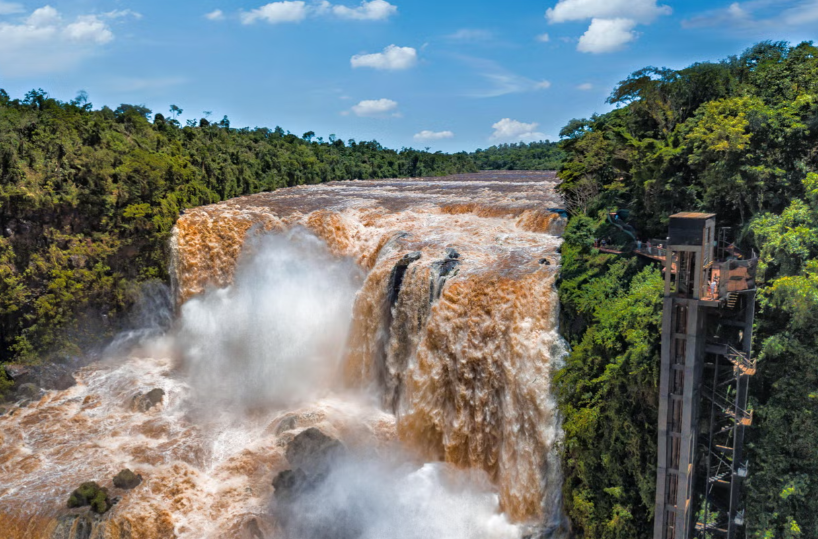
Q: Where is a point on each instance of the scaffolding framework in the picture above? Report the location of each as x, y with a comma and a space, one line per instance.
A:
706, 364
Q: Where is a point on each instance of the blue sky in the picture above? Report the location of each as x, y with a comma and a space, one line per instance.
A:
451, 75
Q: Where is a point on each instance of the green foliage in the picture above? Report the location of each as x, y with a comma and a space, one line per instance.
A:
542, 155
738, 138
784, 451
607, 389
88, 199
92, 494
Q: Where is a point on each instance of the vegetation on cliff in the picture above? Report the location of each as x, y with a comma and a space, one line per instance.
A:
738, 138
88, 199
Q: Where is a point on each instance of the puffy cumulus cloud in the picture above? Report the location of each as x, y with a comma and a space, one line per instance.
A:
508, 129
10, 8
607, 35
376, 108
375, 10
427, 135
612, 21
642, 11
543, 38
89, 29
215, 15
46, 42
392, 58
276, 13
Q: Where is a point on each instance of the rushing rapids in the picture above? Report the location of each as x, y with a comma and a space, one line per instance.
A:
413, 320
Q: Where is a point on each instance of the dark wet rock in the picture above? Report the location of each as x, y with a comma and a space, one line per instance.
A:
75, 526
127, 480
29, 391
398, 273
290, 484
441, 271
314, 452
90, 494
54, 375
19, 374
142, 402
545, 262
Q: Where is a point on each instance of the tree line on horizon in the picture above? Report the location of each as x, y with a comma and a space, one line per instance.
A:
88, 198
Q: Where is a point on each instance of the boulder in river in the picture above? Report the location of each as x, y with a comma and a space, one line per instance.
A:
127, 480
142, 402
314, 452
92, 494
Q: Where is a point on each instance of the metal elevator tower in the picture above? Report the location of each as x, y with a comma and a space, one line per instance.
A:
706, 338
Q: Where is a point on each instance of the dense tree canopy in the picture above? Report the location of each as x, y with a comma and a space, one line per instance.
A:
738, 138
542, 155
88, 199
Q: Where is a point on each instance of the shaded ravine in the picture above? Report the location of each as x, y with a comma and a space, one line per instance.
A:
446, 356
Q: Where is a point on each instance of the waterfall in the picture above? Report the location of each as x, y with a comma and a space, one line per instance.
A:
414, 321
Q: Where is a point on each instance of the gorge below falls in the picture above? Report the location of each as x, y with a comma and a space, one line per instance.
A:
409, 324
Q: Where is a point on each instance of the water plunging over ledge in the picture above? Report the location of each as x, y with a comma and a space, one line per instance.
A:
413, 320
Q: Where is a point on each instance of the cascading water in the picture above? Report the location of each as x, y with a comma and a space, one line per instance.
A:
413, 320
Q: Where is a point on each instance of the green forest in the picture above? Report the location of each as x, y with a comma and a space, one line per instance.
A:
738, 138
543, 155
88, 198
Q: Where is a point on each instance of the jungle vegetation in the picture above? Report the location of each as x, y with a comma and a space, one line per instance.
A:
738, 138
88, 198
543, 155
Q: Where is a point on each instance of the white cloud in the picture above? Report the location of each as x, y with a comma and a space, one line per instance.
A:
607, 35
612, 21
216, 15
543, 85
375, 10
44, 16
585, 86
122, 14
392, 58
471, 34
759, 17
296, 11
89, 29
378, 108
44, 42
642, 11
10, 8
543, 38
433, 135
512, 130
277, 12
